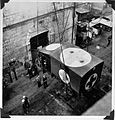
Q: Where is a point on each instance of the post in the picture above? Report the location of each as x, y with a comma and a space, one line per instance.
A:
9, 73
73, 22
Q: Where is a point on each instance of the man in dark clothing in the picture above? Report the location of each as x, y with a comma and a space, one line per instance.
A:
34, 70
109, 40
30, 73
45, 81
25, 104
27, 65
14, 70
12, 65
7, 71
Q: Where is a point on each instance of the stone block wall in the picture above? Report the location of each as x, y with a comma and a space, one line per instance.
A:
18, 30
23, 20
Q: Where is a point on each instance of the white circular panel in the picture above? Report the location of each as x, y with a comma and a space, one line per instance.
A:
91, 81
53, 46
75, 57
64, 76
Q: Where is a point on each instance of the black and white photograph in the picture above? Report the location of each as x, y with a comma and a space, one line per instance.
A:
56, 58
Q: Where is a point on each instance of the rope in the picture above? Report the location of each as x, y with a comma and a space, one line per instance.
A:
59, 37
59, 32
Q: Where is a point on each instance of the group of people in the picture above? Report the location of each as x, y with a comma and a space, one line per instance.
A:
37, 69
32, 70
40, 79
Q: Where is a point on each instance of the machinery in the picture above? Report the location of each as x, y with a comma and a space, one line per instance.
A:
73, 65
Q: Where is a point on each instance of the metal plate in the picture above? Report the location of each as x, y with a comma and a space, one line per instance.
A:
53, 46
75, 57
64, 76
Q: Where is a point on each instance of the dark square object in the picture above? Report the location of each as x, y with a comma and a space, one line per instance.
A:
106, 88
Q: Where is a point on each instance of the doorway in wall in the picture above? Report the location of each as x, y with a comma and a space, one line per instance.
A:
36, 42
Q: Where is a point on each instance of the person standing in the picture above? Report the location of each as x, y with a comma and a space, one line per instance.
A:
30, 72
38, 81
25, 105
45, 81
26, 65
12, 65
14, 71
109, 40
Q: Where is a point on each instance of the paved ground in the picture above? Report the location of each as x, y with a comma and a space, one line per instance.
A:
99, 108
53, 100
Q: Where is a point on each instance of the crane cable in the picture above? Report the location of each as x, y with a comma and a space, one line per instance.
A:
60, 39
